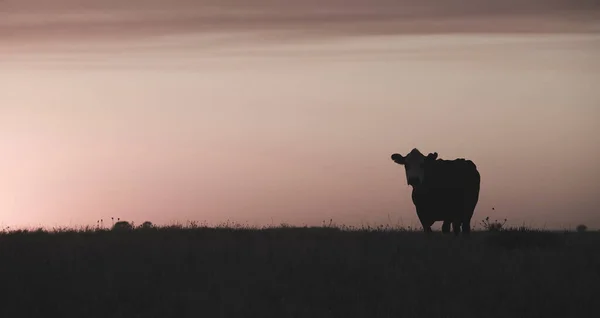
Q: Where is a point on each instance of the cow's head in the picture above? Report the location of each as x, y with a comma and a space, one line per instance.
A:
414, 165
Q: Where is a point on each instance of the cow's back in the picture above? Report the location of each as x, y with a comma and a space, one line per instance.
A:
452, 175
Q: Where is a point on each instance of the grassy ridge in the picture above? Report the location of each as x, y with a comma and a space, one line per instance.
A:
297, 272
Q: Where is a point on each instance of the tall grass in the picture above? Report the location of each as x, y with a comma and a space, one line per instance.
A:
235, 270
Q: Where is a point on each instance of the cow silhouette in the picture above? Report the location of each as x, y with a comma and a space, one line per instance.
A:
442, 190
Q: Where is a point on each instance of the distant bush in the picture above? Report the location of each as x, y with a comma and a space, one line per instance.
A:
146, 225
581, 228
122, 226
494, 226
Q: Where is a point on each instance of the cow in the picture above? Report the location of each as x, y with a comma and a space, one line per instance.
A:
442, 190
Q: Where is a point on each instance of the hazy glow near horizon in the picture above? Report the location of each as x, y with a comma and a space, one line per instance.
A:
181, 128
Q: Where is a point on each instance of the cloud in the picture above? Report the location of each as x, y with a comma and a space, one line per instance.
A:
35, 21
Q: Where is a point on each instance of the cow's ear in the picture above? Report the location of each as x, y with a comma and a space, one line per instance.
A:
398, 158
432, 156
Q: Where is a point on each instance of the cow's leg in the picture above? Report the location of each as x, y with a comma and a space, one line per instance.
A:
466, 227
470, 202
456, 227
427, 225
446, 227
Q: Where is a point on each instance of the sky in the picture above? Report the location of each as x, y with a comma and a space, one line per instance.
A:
262, 111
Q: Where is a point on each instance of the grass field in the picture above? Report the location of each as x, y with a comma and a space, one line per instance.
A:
297, 272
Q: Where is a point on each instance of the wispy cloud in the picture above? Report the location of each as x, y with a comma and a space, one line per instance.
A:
37, 21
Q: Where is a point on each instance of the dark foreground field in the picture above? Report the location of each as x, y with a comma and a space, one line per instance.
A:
298, 272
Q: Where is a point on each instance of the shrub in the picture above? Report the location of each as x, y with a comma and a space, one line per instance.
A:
581, 228
494, 226
122, 226
147, 225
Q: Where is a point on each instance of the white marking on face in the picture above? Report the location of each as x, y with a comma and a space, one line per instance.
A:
413, 165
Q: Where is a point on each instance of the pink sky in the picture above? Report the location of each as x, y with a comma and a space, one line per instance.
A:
163, 112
